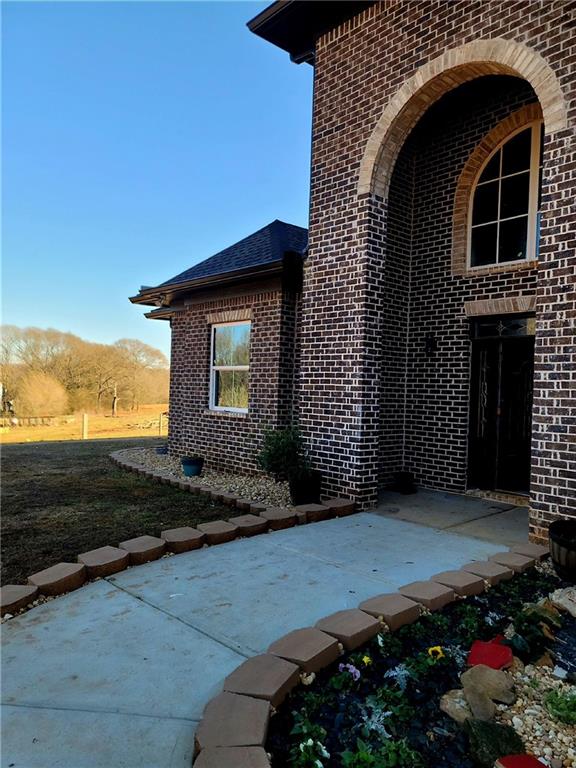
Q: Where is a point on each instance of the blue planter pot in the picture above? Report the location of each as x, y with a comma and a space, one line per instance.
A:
192, 467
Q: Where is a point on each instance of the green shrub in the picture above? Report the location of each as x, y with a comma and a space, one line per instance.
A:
282, 453
562, 706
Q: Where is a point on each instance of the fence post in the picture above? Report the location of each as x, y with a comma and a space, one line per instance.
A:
160, 424
84, 426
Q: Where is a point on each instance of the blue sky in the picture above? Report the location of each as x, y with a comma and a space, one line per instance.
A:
138, 139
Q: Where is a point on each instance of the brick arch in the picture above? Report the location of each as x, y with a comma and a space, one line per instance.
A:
467, 179
453, 68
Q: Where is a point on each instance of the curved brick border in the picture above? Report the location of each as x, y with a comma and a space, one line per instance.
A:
431, 81
104, 561
234, 727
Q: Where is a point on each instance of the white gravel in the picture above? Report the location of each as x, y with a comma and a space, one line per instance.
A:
254, 487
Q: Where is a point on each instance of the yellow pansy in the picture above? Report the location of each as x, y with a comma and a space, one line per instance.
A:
366, 660
436, 652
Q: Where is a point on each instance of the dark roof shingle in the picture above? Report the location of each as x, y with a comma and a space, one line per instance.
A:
266, 246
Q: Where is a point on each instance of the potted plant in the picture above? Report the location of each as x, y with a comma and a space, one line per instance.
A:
192, 465
562, 534
283, 456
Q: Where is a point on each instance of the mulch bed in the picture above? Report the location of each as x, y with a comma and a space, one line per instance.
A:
386, 703
61, 499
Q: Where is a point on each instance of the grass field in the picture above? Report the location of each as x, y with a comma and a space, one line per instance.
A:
144, 422
61, 499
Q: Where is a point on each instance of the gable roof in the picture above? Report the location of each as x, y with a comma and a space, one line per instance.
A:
266, 246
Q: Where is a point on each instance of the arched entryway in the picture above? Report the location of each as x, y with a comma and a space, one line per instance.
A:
414, 175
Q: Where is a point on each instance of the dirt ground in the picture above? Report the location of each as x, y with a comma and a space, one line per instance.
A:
61, 499
145, 422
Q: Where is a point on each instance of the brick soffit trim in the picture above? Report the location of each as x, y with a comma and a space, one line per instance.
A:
507, 306
441, 75
229, 316
465, 186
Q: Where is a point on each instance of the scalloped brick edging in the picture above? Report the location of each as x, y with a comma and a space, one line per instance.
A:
310, 649
247, 518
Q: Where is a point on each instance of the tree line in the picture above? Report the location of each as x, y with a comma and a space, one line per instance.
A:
46, 372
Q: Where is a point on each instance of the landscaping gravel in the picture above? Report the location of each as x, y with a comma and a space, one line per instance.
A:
254, 487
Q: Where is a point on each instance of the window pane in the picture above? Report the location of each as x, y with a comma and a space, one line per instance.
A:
492, 170
514, 194
512, 241
232, 344
485, 203
231, 389
483, 245
516, 153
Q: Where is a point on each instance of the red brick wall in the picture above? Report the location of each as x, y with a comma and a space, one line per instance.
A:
230, 440
358, 69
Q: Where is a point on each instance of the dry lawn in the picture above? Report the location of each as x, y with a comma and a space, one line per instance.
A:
61, 499
141, 423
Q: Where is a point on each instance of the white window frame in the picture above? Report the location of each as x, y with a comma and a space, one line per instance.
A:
534, 192
215, 368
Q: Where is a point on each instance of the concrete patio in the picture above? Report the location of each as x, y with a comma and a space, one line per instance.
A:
118, 672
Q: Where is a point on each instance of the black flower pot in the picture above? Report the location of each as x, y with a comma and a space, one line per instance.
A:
305, 487
192, 465
562, 534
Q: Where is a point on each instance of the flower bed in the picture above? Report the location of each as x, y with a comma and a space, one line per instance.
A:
380, 706
258, 488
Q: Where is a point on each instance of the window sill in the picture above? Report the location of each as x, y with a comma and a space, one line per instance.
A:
495, 269
226, 414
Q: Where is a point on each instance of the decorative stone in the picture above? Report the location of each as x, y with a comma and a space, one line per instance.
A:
341, 507
228, 499
104, 561
394, 609
183, 539
489, 741
231, 720
184, 485
315, 513
497, 685
249, 525
454, 704
310, 648
243, 504
494, 655
257, 507
428, 593
16, 596
518, 563
60, 578
233, 757
219, 531
482, 706
142, 549
463, 583
279, 518
528, 549
301, 518
264, 677
489, 571
352, 627
518, 761
565, 600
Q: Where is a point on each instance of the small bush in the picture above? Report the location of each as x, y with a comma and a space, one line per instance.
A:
282, 453
562, 706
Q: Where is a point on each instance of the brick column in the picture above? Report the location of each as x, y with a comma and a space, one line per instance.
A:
553, 491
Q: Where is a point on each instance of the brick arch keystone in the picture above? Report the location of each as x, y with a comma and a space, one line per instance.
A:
456, 66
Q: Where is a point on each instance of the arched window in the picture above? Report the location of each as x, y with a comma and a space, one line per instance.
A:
503, 220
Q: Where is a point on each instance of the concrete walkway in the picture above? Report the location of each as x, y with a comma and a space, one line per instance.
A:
118, 673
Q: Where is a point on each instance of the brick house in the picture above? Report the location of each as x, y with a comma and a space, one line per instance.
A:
435, 328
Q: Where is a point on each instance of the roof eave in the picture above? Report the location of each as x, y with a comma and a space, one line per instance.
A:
159, 295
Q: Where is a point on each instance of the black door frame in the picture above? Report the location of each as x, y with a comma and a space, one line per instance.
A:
490, 339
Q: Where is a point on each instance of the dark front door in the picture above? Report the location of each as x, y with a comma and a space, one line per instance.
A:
501, 404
